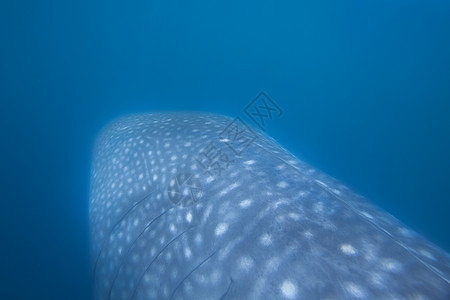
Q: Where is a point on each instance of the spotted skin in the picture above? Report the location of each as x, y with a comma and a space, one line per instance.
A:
269, 226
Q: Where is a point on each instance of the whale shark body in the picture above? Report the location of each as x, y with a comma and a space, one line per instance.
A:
200, 206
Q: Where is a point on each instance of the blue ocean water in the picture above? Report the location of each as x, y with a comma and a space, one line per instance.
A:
364, 86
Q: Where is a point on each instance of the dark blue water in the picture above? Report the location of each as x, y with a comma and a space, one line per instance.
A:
364, 85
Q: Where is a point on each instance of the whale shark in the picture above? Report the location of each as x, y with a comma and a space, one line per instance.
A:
203, 206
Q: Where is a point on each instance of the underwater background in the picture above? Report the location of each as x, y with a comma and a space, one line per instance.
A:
364, 86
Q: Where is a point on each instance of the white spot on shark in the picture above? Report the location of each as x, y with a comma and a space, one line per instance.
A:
391, 265
245, 203
282, 184
246, 263
187, 252
348, 249
355, 290
221, 229
265, 239
288, 289
189, 217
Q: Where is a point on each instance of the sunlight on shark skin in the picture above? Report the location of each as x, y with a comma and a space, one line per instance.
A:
264, 225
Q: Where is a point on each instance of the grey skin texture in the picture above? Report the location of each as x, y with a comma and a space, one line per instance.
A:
268, 226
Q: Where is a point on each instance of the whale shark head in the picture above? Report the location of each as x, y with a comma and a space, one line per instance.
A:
190, 205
